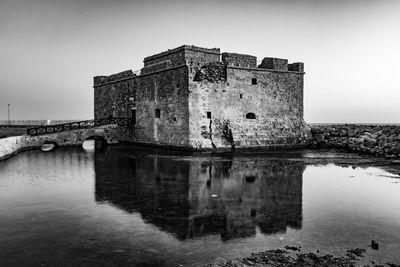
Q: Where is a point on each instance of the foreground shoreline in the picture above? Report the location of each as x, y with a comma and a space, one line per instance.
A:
293, 256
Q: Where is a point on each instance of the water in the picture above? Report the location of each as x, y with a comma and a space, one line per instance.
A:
130, 206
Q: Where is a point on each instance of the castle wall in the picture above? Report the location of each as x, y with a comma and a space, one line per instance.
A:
276, 100
239, 60
198, 57
175, 56
119, 95
274, 63
166, 91
183, 55
112, 93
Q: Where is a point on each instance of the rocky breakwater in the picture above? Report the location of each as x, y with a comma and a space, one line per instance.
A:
378, 140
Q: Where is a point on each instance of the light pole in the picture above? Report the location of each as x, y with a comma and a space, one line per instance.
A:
9, 122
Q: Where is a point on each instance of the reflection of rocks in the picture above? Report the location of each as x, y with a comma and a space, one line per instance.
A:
225, 196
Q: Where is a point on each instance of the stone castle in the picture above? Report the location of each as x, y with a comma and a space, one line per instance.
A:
197, 98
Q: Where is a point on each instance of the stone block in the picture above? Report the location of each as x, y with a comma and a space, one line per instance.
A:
274, 63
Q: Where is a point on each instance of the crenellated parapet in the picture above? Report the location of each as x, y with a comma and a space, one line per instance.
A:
101, 80
239, 60
274, 63
297, 66
183, 55
281, 64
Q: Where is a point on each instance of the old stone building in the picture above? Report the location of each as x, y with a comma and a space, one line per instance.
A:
198, 98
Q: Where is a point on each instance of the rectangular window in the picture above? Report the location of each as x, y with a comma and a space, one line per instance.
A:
254, 81
157, 113
241, 96
208, 114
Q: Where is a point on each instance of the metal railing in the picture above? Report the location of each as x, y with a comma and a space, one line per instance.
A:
121, 121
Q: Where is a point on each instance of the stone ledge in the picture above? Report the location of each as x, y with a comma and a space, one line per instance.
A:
265, 70
215, 51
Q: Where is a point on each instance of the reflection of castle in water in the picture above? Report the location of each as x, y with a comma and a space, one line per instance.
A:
197, 197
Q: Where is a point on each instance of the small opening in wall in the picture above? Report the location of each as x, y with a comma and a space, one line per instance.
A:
254, 81
157, 113
174, 118
251, 116
241, 96
198, 63
178, 85
250, 179
208, 114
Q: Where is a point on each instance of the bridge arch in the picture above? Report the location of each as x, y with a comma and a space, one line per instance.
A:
49, 145
99, 142
97, 138
102, 135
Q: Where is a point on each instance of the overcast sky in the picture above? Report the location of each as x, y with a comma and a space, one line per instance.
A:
51, 49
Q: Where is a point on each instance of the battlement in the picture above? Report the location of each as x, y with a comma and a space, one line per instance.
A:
156, 67
239, 60
274, 63
195, 57
150, 59
181, 55
297, 66
99, 80
281, 64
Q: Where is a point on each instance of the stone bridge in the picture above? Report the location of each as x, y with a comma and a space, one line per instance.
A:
12, 145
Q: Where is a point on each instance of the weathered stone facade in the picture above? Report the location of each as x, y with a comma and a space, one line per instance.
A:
191, 98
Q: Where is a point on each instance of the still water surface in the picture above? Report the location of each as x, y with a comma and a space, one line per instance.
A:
130, 206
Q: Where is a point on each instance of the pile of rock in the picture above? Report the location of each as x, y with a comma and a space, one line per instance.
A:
212, 72
379, 140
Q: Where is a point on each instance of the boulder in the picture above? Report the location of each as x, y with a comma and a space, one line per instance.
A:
369, 142
395, 149
376, 134
351, 132
319, 138
392, 137
316, 130
368, 134
343, 132
382, 140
